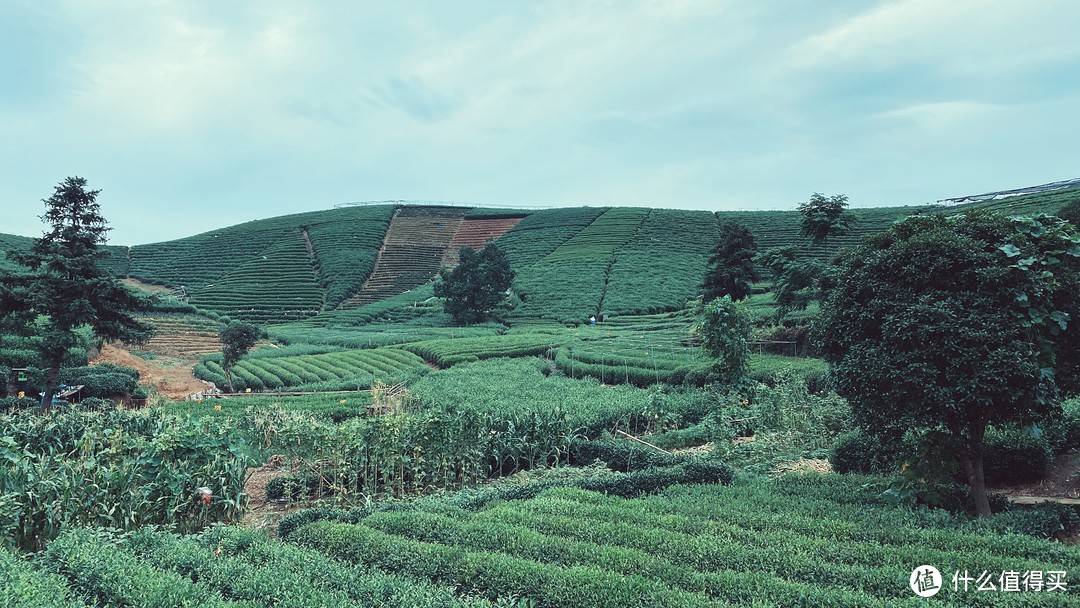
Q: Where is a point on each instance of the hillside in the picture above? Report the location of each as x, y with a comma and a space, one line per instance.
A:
349, 266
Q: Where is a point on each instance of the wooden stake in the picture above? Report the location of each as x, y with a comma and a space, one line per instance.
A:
642, 441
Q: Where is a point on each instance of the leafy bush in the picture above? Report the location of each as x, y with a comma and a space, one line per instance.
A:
857, 451
1016, 456
1063, 433
621, 455
1042, 520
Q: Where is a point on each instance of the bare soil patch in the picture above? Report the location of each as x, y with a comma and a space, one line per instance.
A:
170, 376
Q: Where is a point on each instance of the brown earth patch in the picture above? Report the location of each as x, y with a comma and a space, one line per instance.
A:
171, 377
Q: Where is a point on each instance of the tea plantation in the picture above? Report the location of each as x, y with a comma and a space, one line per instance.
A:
535, 459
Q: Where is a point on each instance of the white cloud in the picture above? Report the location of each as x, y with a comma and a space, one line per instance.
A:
940, 115
954, 35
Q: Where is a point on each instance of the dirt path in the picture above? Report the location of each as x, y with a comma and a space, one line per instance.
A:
170, 376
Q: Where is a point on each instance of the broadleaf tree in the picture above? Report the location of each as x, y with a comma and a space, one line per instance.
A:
474, 288
724, 328
731, 270
63, 287
825, 216
237, 338
948, 325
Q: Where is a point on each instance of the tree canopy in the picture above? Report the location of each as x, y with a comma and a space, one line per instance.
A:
824, 217
731, 265
237, 338
476, 285
725, 334
64, 287
951, 324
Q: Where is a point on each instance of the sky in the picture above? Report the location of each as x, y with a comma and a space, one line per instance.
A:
193, 115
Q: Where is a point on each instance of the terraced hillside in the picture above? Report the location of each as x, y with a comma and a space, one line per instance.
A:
542, 232
115, 257
475, 233
1049, 201
278, 284
200, 260
781, 228
186, 336
412, 252
653, 270
568, 284
662, 267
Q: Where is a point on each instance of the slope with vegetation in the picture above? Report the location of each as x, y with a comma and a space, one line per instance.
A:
415, 244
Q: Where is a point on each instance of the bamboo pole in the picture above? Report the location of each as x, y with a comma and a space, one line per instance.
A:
628, 435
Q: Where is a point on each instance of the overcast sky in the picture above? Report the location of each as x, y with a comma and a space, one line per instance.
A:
194, 115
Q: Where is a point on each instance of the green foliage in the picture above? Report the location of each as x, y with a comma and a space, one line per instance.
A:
955, 322
237, 338
65, 287
22, 586
1063, 431
758, 543
1016, 456
1071, 213
823, 217
660, 268
117, 469
796, 283
345, 249
278, 284
97, 568
725, 331
102, 380
518, 387
568, 284
621, 455
451, 351
542, 232
731, 265
202, 259
338, 370
857, 451
473, 288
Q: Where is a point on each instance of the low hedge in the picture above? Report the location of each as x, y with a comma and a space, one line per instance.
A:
625, 485
1016, 456
621, 455
858, 451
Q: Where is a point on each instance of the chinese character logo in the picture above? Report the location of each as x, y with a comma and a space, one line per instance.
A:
925, 581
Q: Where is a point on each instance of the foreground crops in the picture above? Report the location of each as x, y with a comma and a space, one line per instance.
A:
749, 544
114, 469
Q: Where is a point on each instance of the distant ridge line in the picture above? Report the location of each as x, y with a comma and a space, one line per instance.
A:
1006, 193
440, 204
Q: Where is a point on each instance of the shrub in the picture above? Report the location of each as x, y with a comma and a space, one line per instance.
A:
1043, 520
1016, 456
1063, 433
621, 455
857, 451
